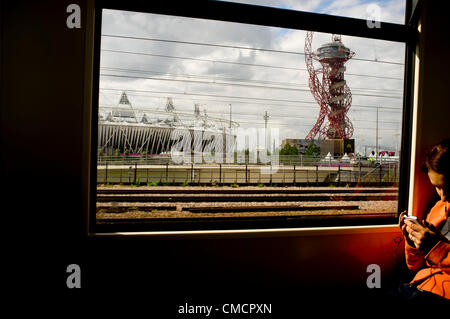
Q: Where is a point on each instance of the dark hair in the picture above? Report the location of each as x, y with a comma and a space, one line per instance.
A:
438, 159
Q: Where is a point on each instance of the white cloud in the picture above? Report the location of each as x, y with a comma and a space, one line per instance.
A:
294, 119
392, 11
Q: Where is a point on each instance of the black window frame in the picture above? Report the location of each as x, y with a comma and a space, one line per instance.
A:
273, 17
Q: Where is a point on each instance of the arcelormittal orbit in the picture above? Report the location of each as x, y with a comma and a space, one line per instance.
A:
332, 93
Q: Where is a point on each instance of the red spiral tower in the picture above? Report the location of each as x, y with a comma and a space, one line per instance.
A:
332, 93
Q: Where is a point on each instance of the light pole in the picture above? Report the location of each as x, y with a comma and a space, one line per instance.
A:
266, 118
376, 142
230, 118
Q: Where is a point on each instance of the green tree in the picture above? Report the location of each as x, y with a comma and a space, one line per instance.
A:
311, 154
313, 149
289, 150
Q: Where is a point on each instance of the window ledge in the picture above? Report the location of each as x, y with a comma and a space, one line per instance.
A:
252, 233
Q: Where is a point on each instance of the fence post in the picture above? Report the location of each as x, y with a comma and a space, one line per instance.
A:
395, 173
135, 173
317, 174
220, 174
295, 177
129, 174
380, 173
270, 173
246, 178
211, 177
106, 172
359, 175
389, 172
167, 173
339, 174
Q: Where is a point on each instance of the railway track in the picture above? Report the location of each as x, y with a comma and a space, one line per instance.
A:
246, 190
180, 208
220, 200
127, 207
200, 198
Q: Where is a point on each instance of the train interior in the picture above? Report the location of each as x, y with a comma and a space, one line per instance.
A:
46, 97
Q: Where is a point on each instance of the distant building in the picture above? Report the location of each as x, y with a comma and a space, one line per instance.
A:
336, 147
123, 127
301, 144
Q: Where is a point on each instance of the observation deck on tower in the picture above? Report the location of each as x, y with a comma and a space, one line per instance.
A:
330, 52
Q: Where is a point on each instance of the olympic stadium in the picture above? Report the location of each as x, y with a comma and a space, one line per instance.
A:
152, 132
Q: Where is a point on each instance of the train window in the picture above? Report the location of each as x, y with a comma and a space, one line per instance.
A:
387, 11
210, 123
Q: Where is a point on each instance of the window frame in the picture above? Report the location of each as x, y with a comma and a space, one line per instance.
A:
264, 16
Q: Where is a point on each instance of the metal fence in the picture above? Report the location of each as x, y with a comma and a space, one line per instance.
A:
134, 171
239, 159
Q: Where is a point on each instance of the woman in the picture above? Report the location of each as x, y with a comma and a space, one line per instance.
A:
427, 245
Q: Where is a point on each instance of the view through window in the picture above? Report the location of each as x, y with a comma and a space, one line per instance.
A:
210, 120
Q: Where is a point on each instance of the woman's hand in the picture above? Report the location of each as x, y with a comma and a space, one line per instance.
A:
418, 235
402, 225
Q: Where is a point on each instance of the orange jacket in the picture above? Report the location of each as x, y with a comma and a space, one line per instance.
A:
433, 268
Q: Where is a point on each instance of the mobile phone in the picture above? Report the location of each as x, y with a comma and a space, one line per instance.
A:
412, 218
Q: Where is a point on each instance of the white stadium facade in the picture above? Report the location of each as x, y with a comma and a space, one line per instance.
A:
143, 131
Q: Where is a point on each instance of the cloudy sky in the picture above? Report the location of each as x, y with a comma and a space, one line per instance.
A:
253, 68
